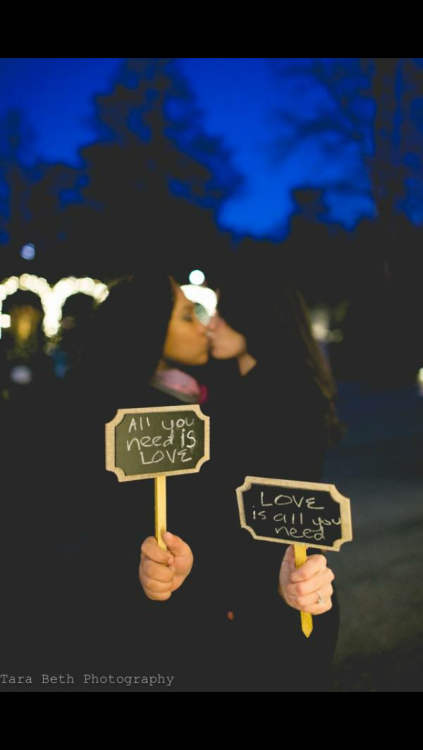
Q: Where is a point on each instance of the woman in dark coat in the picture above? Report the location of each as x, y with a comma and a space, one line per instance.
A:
282, 401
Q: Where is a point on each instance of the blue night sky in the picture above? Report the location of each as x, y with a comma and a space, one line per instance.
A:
238, 96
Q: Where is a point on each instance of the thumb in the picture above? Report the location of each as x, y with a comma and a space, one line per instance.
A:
289, 558
290, 553
175, 545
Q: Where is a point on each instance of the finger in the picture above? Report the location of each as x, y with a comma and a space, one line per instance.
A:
155, 587
305, 588
303, 603
176, 546
288, 561
157, 572
319, 609
290, 554
151, 549
312, 567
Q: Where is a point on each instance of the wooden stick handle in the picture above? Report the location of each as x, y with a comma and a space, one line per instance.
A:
161, 510
306, 619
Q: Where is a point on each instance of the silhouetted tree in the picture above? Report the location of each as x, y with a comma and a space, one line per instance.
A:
327, 107
154, 178
368, 109
16, 149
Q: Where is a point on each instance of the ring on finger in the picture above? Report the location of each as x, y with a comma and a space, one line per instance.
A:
321, 599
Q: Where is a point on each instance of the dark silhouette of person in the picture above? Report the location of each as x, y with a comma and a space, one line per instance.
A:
25, 369
76, 314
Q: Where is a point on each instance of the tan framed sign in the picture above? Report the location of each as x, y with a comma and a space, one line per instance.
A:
159, 441
301, 514
298, 513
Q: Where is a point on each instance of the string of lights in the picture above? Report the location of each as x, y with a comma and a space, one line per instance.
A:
52, 297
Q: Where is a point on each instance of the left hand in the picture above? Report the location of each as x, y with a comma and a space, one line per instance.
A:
300, 588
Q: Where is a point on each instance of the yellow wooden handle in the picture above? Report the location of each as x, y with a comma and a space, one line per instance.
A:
161, 510
306, 619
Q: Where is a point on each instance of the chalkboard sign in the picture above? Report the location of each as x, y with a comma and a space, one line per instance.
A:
285, 512
161, 441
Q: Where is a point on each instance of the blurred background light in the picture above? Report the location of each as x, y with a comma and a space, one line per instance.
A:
28, 252
202, 296
52, 298
197, 278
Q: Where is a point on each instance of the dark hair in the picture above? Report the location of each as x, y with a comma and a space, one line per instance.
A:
22, 299
124, 341
259, 299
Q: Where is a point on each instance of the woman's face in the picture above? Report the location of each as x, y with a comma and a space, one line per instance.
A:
187, 340
226, 343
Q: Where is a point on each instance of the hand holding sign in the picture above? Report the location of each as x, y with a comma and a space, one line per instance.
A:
303, 515
161, 573
301, 588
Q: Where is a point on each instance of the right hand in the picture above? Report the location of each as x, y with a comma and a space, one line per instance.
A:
163, 572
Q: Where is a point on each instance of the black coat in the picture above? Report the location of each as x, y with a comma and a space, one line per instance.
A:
226, 629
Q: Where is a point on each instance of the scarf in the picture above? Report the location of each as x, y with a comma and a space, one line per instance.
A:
178, 384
